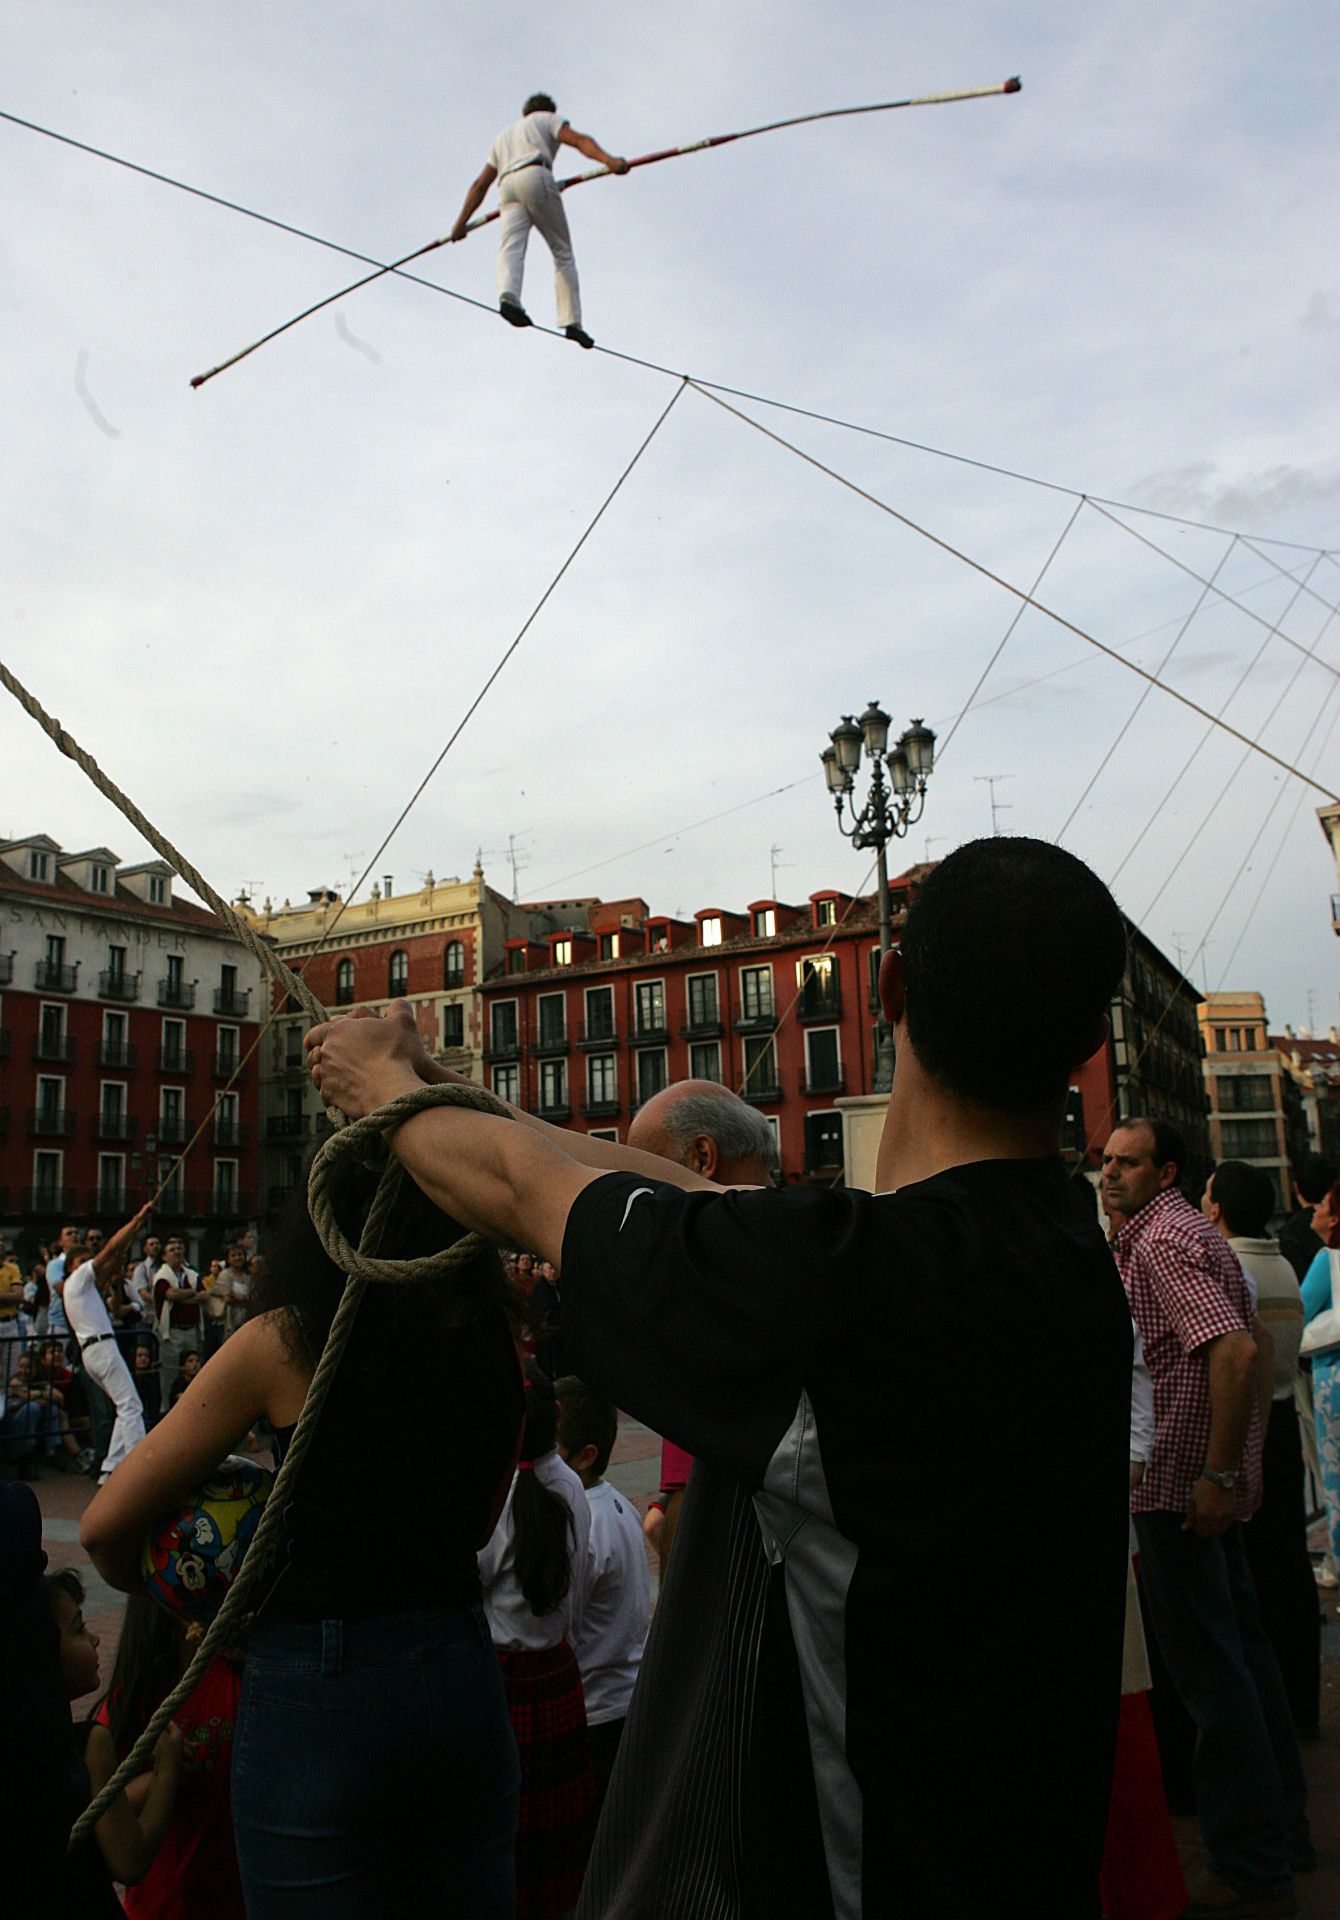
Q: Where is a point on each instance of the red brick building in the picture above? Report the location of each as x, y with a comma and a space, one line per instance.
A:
777, 1001
124, 1012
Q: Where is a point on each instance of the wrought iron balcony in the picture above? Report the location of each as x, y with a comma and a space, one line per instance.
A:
173, 1131
599, 1109
48, 1199
502, 1050
53, 1046
550, 1043
225, 1064
236, 1203
231, 1003
757, 1090
600, 1033
177, 993
832, 1080
230, 1133
176, 1060
652, 1032
116, 984
815, 1004
288, 1126
114, 1126
53, 976
344, 996
109, 1201
53, 1122
556, 1114
756, 1022
117, 1053
704, 1029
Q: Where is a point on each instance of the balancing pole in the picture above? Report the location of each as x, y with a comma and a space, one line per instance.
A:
580, 179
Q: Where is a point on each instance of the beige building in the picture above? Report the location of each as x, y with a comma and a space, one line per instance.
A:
1249, 1087
432, 946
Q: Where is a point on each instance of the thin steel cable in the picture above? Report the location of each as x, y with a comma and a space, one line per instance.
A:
1145, 692
977, 566
1191, 574
1253, 546
1220, 797
656, 366
1005, 638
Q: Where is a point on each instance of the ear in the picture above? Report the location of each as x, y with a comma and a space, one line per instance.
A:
584, 1459
892, 992
703, 1156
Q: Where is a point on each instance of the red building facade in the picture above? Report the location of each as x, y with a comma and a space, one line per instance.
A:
777, 1002
124, 1014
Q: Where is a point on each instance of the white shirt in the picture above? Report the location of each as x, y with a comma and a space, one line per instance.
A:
511, 1623
525, 141
84, 1305
56, 1320
617, 1613
1279, 1302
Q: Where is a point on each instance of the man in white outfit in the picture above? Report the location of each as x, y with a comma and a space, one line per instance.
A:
521, 159
91, 1325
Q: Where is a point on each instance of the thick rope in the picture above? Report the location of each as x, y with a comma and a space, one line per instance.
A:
363, 1268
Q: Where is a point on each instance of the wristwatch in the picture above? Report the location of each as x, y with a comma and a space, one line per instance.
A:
1228, 1479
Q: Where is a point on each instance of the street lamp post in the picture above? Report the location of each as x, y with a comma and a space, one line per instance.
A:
892, 807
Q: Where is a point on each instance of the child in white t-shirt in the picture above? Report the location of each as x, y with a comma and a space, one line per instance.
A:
613, 1628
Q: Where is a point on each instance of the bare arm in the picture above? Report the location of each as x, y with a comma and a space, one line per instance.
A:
593, 150
474, 199
129, 1838
1231, 1362
251, 1376
108, 1260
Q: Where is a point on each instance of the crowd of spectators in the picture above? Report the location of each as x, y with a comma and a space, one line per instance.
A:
168, 1319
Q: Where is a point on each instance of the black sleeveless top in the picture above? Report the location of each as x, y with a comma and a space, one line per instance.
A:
412, 1456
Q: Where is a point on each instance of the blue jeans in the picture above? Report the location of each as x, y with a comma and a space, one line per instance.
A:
374, 1771
1250, 1791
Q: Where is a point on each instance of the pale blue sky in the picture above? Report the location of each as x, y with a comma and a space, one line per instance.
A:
266, 604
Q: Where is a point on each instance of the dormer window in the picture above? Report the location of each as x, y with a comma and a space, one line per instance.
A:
765, 922
710, 934
99, 878
516, 959
609, 946
157, 890
562, 953
38, 865
825, 913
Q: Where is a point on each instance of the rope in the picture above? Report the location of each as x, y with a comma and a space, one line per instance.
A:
363, 1268
977, 566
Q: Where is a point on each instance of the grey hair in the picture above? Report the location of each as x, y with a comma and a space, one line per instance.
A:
740, 1131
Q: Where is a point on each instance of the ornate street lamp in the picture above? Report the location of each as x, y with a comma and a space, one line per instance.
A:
891, 809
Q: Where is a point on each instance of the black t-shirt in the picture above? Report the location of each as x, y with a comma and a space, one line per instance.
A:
927, 1395
409, 1462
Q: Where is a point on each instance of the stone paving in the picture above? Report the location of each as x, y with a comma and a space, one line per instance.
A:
635, 1471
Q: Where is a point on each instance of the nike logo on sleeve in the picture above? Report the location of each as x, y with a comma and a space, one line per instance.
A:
628, 1209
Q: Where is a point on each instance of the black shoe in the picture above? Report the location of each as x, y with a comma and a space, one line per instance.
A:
576, 333
514, 314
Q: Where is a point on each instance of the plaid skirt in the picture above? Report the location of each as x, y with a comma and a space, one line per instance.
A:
556, 1818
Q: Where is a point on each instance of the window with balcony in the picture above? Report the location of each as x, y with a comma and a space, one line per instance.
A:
652, 1073
756, 993
172, 1115
602, 1080
823, 1066
51, 1041
398, 973
553, 1086
230, 998
48, 1176
294, 1055
172, 1055
453, 1024
705, 1060
53, 976
704, 1004
227, 1122
116, 966
823, 1143
503, 1026
112, 1120
228, 1043
344, 984
506, 1083
1249, 1139
174, 990
553, 1020
1246, 1093
170, 1174
650, 1002
600, 1013
709, 930
111, 1194
760, 1068
50, 1114
817, 980
765, 922
115, 1049
453, 964
225, 1186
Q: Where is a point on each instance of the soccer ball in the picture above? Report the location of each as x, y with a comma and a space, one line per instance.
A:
191, 1557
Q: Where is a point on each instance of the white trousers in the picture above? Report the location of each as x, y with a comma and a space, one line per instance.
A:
103, 1363
529, 199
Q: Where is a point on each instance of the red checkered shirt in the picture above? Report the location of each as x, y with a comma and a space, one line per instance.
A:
1186, 1288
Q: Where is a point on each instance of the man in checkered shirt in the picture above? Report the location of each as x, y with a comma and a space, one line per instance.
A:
1190, 1300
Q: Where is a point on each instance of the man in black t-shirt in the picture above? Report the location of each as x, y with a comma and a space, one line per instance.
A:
862, 1365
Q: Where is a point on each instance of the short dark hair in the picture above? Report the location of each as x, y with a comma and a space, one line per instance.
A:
1314, 1177
539, 103
1012, 951
1169, 1141
67, 1581
585, 1420
1246, 1196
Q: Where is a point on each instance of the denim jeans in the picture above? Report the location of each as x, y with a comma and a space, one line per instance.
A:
374, 1771
1250, 1791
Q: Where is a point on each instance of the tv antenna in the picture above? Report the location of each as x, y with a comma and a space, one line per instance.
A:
998, 807
775, 863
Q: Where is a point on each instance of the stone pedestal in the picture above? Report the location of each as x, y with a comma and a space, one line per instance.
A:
862, 1124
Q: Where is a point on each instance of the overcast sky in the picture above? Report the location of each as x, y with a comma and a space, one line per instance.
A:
266, 604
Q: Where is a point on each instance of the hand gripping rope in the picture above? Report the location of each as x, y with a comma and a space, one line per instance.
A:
363, 1267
